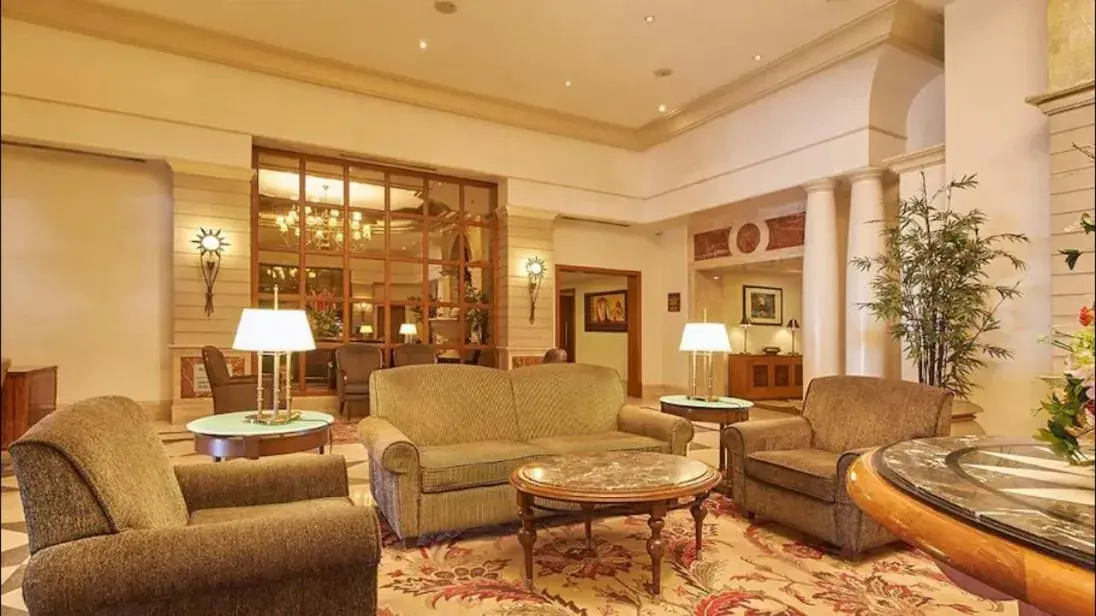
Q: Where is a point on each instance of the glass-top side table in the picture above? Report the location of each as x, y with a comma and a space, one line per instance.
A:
723, 411
230, 435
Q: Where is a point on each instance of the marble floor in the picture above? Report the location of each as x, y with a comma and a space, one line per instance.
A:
180, 446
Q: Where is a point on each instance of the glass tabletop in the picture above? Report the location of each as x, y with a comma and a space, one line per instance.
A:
718, 403
1012, 488
234, 424
614, 471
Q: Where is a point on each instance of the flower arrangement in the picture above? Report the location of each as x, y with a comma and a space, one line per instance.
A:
1070, 405
323, 314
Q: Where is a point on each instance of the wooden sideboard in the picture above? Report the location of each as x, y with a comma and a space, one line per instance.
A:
30, 393
765, 377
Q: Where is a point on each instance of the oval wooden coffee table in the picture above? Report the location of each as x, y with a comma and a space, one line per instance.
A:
612, 483
228, 435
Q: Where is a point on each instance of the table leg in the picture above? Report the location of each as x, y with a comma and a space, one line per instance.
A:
588, 519
654, 545
527, 536
698, 511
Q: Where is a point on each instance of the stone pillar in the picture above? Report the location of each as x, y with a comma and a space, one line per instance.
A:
525, 234
210, 197
865, 335
821, 284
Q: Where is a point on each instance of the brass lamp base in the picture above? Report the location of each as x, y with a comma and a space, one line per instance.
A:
274, 418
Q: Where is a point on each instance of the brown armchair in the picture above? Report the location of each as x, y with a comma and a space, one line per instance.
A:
232, 393
353, 364
114, 529
792, 470
555, 356
413, 354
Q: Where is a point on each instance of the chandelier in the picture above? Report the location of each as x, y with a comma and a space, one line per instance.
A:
323, 224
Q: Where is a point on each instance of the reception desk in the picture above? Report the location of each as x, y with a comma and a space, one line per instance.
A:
765, 377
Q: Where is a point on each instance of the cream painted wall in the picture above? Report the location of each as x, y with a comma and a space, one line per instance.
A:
925, 122
997, 56
85, 271
597, 348
760, 336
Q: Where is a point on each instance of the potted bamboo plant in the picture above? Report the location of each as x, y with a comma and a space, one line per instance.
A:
931, 285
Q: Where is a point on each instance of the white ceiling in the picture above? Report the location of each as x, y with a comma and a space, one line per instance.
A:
526, 50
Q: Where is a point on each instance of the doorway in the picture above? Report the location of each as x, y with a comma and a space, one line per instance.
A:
619, 314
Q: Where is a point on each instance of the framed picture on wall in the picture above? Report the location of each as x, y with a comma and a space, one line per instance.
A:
606, 311
763, 305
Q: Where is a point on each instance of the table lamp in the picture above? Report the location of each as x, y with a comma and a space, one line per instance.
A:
793, 324
366, 331
408, 331
704, 339
745, 324
274, 332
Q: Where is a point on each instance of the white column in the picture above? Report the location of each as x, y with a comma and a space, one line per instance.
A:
821, 284
917, 170
866, 342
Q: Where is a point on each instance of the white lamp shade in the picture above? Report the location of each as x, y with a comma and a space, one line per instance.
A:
366, 329
273, 331
705, 337
408, 329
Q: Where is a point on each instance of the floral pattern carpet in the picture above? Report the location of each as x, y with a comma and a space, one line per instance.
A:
745, 568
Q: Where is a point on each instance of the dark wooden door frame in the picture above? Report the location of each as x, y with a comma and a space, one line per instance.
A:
562, 341
634, 296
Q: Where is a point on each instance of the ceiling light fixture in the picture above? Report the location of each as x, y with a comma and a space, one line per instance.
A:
423, 44
663, 72
757, 57
444, 7
662, 108
567, 83
649, 19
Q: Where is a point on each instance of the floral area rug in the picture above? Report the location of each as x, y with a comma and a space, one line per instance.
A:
745, 568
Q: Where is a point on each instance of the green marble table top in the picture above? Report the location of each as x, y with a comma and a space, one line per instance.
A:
718, 403
233, 424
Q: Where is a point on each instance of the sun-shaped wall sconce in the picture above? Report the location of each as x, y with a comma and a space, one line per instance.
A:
534, 269
210, 245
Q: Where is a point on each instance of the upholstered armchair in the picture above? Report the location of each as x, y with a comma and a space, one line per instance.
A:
413, 354
792, 470
353, 365
114, 529
555, 356
232, 393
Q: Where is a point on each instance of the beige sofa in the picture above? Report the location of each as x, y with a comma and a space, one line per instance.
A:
443, 439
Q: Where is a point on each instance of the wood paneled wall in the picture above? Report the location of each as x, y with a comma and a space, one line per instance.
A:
524, 236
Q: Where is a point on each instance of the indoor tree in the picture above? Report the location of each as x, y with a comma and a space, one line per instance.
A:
931, 285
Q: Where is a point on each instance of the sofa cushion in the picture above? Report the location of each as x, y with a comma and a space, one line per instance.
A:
316, 506
443, 404
808, 471
468, 465
611, 440
561, 399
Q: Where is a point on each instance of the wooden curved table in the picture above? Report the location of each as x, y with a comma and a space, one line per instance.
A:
228, 435
651, 482
1042, 582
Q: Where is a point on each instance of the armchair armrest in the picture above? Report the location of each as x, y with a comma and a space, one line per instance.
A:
386, 443
844, 462
676, 431
246, 483
96, 574
748, 437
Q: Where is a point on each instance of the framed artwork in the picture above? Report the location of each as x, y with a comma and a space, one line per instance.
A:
764, 305
606, 311
673, 302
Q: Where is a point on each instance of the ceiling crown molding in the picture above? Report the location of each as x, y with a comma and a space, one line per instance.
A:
917, 160
900, 23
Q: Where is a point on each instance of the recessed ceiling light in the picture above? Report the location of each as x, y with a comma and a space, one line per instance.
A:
757, 57
567, 83
662, 108
423, 44
444, 7
649, 19
663, 72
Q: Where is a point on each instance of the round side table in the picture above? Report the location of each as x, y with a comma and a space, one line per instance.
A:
722, 411
229, 435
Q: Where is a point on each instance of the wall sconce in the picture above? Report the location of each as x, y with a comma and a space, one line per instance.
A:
210, 245
534, 268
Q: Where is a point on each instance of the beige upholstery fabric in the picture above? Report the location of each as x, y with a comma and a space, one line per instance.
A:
560, 399
807, 471
103, 507
115, 452
470, 465
443, 439
443, 404
597, 442
793, 470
